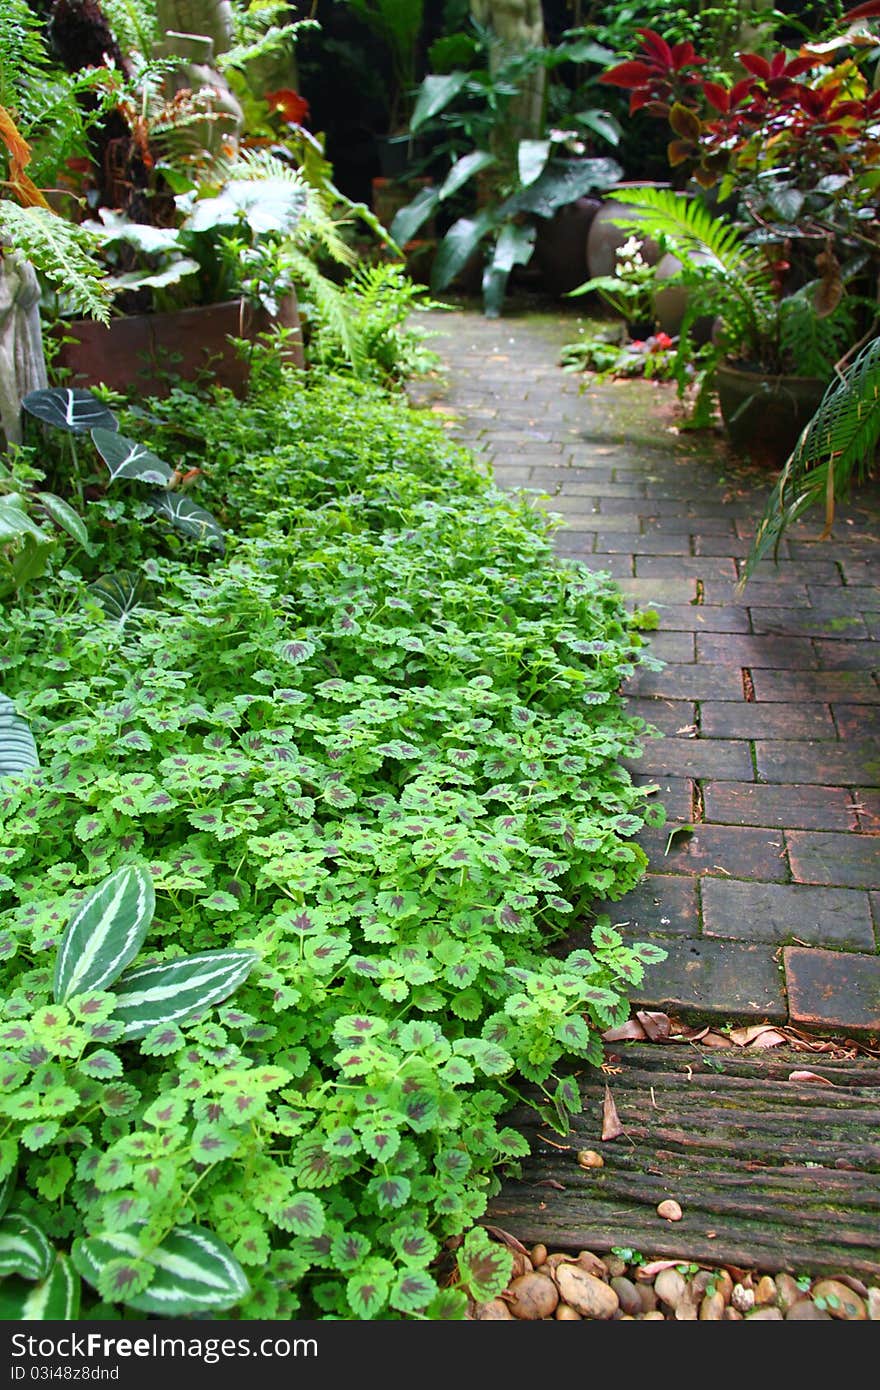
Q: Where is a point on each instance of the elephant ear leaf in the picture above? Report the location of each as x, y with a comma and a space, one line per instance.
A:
69, 409
18, 752
125, 458
189, 517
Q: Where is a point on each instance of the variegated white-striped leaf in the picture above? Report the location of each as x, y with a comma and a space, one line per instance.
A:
194, 1271
64, 516
189, 517
125, 458
69, 409
18, 751
174, 990
54, 1299
24, 1249
105, 933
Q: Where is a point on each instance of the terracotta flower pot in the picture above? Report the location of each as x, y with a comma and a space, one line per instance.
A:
764, 415
146, 351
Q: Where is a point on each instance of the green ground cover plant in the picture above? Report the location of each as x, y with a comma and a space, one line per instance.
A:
327, 802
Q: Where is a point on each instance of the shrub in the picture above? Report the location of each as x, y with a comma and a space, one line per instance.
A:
378, 745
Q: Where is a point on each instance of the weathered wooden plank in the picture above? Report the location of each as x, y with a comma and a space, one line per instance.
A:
771, 1174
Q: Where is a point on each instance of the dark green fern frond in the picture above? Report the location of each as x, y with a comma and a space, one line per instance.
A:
62, 252
837, 447
332, 314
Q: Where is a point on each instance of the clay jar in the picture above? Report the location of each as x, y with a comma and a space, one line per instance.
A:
561, 245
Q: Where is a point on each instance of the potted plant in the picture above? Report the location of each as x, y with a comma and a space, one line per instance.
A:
771, 355
499, 192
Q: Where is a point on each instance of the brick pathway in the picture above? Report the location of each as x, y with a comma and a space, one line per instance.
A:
770, 907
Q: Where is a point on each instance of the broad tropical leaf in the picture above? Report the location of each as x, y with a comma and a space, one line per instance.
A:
15, 522
464, 169
561, 182
18, 751
410, 218
531, 156
189, 517
54, 1299
64, 516
69, 409
127, 459
514, 246
24, 1248
264, 204
176, 989
156, 279
105, 933
456, 248
435, 94
120, 594
193, 1271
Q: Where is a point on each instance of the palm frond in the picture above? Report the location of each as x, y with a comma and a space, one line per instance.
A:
837, 447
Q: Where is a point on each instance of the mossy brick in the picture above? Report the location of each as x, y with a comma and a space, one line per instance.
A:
707, 544
809, 622
806, 807
850, 687
656, 591
702, 617
687, 525
635, 543
833, 655
687, 681
745, 649
757, 594
669, 716
735, 851
694, 757
671, 647
751, 719
865, 598
875, 909
856, 722
618, 566
675, 794
835, 992
828, 764
787, 912
660, 903
787, 571
694, 566
849, 860
712, 979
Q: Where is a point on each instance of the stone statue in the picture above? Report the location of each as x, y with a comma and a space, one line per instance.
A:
22, 364
195, 32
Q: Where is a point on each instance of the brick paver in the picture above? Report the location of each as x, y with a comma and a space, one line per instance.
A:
769, 700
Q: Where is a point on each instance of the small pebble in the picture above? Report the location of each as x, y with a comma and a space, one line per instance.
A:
496, 1310
840, 1301
732, 1315
589, 1296
670, 1288
669, 1210
564, 1313
874, 1305
764, 1314
742, 1298
712, 1308
647, 1297
532, 1296
788, 1293
615, 1266
805, 1310
765, 1293
588, 1158
592, 1264
628, 1295
538, 1255
653, 1315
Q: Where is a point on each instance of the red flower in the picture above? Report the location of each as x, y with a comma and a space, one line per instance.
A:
289, 105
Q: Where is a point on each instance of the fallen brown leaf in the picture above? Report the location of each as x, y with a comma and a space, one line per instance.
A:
656, 1025
711, 1039
611, 1126
761, 1034
647, 1271
809, 1076
631, 1031
506, 1239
